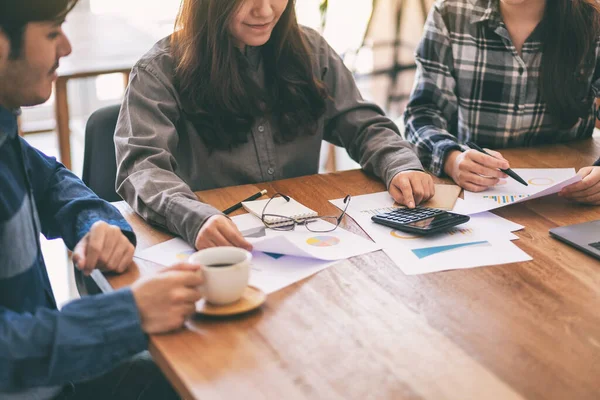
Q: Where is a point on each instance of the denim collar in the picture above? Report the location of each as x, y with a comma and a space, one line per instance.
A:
8, 124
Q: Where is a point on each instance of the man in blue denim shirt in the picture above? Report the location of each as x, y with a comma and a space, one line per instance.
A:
94, 347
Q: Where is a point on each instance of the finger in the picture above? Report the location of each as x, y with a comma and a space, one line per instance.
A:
429, 188
219, 240
125, 259
396, 194
486, 161
481, 180
479, 169
79, 258
591, 200
183, 267
572, 188
94, 247
213, 237
588, 180
234, 236
583, 172
114, 248
432, 186
583, 193
187, 278
206, 241
174, 280
496, 154
203, 243
112, 237
115, 259
417, 189
188, 310
588, 184
472, 187
407, 192
187, 295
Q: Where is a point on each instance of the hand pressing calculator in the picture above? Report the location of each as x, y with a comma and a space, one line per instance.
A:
420, 220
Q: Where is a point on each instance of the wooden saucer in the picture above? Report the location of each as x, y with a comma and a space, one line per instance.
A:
252, 298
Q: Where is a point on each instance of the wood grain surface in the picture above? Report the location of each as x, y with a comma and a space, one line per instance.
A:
364, 330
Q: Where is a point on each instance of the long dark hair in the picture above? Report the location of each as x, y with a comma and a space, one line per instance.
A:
16, 14
218, 95
571, 30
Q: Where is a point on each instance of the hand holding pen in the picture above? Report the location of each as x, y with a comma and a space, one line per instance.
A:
507, 170
474, 170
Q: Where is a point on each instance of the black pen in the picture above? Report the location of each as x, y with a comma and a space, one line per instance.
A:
239, 205
508, 171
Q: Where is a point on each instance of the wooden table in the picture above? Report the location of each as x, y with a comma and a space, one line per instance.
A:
364, 330
102, 44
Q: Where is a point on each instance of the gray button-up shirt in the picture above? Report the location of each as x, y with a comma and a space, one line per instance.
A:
162, 160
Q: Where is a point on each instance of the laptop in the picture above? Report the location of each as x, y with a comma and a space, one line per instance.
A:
585, 237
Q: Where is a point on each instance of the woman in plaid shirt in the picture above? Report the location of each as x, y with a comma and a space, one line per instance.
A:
505, 73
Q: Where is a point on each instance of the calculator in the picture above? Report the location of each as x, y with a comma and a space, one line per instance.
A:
420, 220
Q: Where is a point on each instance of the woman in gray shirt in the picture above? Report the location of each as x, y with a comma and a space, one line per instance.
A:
241, 94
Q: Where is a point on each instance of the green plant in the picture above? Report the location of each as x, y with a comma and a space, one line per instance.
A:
323, 10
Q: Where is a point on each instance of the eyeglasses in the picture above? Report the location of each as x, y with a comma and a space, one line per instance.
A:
283, 223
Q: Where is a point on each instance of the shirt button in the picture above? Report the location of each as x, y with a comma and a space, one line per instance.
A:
516, 107
261, 128
521, 70
271, 171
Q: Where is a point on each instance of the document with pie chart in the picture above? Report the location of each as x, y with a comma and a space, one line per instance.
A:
541, 182
338, 244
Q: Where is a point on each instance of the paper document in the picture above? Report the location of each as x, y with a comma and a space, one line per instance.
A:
279, 258
167, 253
329, 246
499, 223
270, 272
542, 182
478, 254
484, 240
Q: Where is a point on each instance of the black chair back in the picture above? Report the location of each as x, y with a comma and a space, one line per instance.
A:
99, 160
99, 174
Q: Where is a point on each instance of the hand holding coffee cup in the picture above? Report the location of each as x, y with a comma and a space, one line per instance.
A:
226, 272
168, 298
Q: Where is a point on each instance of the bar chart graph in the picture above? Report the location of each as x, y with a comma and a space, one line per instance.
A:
506, 199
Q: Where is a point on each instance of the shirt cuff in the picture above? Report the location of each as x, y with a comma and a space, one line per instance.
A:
440, 152
186, 216
393, 164
130, 329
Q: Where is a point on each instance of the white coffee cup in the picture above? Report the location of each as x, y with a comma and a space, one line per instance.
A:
226, 272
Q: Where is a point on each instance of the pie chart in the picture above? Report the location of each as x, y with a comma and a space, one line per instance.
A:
404, 236
184, 255
323, 241
541, 181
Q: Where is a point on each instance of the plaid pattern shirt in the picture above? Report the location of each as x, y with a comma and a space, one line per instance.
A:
472, 85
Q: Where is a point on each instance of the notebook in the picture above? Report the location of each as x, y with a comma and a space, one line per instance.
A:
279, 206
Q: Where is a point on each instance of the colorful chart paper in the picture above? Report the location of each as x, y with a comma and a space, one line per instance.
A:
403, 235
184, 255
323, 241
274, 256
429, 251
541, 181
506, 199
